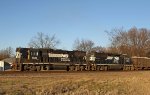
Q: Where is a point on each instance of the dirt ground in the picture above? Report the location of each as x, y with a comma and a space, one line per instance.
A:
75, 83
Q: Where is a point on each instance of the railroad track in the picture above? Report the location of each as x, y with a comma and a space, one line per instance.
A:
30, 72
60, 71
60, 74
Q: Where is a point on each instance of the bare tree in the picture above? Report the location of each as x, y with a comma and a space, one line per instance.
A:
83, 45
99, 49
6, 53
43, 41
134, 42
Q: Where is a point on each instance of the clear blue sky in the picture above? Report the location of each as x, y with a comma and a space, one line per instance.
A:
20, 20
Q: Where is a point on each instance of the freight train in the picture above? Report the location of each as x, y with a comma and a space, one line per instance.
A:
32, 59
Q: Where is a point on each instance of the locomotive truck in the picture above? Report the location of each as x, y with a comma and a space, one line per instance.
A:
39, 59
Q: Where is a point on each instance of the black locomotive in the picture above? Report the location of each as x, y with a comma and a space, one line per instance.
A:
31, 59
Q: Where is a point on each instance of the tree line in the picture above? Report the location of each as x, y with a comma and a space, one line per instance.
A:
133, 42
6, 53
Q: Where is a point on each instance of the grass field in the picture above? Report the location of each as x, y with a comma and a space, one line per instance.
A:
86, 83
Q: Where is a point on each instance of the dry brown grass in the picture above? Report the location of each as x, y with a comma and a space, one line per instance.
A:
92, 83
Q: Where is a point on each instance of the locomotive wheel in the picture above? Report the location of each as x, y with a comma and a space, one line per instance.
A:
105, 68
25, 67
38, 68
129, 68
132, 68
101, 68
47, 67
71, 68
88, 67
124, 68
77, 68
32, 68
81, 68
93, 67
42, 67
98, 68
